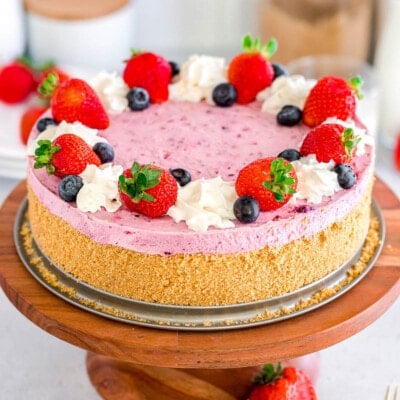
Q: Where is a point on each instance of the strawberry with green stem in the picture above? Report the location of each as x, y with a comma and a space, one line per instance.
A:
148, 189
67, 154
74, 100
330, 142
148, 71
332, 96
250, 72
271, 181
277, 383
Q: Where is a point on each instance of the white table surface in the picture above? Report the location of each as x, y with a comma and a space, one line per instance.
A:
37, 366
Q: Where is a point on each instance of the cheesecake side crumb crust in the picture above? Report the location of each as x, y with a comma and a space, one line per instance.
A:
199, 279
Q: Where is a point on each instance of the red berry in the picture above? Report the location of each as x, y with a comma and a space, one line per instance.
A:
148, 190
250, 72
271, 181
289, 383
151, 72
397, 154
16, 83
74, 100
330, 142
331, 97
28, 120
68, 154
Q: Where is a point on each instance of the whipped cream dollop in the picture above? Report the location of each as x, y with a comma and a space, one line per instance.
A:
315, 179
197, 79
112, 91
285, 90
89, 135
362, 133
205, 202
100, 188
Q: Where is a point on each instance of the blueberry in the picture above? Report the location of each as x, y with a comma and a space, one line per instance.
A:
279, 70
246, 209
290, 154
69, 187
345, 175
104, 151
175, 70
43, 123
138, 99
224, 95
289, 115
181, 176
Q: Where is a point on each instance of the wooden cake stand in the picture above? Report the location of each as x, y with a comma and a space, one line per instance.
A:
129, 362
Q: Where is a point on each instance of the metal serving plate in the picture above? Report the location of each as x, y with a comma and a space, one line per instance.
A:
174, 317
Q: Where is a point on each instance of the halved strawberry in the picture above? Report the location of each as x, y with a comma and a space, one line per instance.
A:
331, 96
28, 120
330, 142
250, 72
271, 181
151, 72
74, 100
148, 189
68, 154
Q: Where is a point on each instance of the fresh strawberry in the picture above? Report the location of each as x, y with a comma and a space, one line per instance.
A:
148, 189
330, 142
271, 181
151, 72
250, 72
74, 100
28, 120
68, 154
16, 82
331, 97
397, 153
289, 383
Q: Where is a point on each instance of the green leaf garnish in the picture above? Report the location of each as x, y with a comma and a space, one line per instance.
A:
143, 178
251, 45
44, 156
350, 141
281, 183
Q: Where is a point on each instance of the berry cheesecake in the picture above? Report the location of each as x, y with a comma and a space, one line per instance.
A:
206, 186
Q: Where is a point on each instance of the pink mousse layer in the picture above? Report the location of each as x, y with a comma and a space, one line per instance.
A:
208, 141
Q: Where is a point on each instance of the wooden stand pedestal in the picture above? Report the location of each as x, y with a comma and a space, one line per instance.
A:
128, 362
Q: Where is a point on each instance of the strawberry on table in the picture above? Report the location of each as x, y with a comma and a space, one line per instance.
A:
148, 189
74, 100
149, 71
331, 96
330, 142
16, 82
28, 120
277, 383
250, 72
271, 181
68, 154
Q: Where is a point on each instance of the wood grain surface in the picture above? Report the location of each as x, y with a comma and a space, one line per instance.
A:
241, 348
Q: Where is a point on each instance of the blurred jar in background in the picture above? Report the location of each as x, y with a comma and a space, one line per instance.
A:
310, 27
90, 34
12, 39
387, 61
